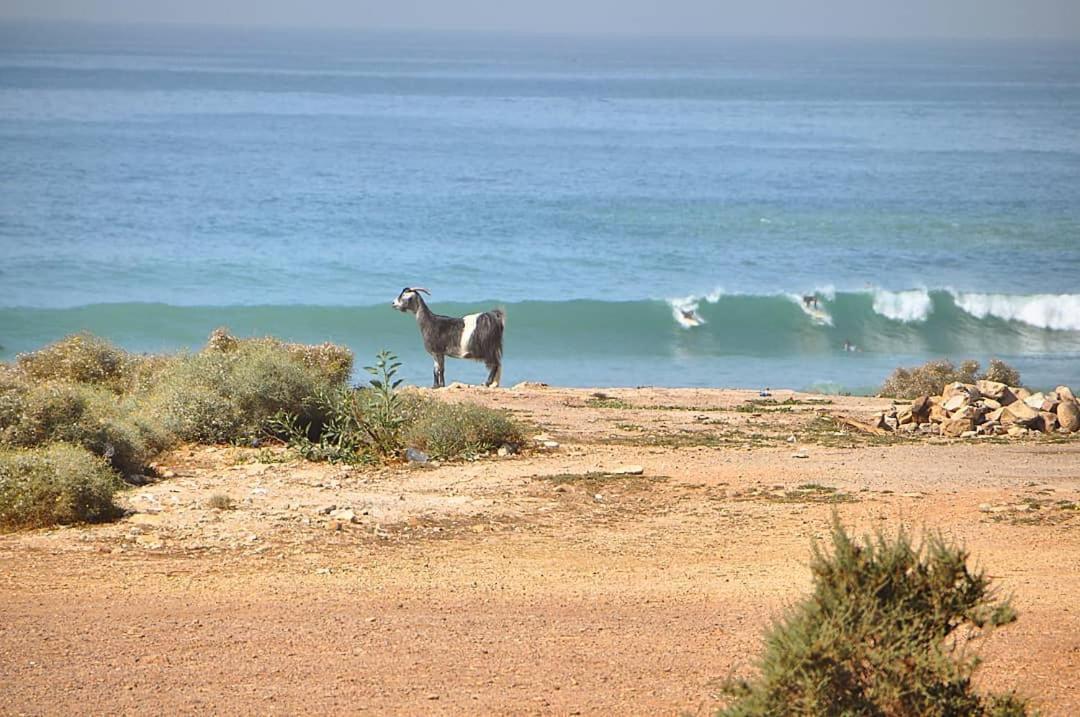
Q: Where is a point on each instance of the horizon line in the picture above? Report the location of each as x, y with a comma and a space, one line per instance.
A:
518, 32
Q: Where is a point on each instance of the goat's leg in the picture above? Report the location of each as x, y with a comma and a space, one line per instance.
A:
494, 373
440, 374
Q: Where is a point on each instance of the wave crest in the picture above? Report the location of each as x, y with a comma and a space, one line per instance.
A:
1060, 312
907, 306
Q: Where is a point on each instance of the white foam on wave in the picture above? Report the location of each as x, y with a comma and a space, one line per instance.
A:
684, 310
1060, 312
907, 306
817, 314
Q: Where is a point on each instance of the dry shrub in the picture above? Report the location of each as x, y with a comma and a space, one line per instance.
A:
450, 430
86, 415
878, 636
235, 387
57, 484
931, 378
80, 358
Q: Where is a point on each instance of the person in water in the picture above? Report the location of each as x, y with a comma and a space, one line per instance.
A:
848, 346
810, 301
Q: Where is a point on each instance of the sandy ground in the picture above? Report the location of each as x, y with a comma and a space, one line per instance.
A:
537, 583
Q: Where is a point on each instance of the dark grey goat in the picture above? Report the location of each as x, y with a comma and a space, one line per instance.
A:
476, 336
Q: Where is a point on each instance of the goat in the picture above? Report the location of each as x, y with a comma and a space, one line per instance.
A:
476, 336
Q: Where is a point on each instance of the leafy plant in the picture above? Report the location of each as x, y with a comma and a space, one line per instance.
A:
878, 636
57, 484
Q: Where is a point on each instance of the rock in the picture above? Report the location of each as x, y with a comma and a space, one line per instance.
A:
985, 507
1035, 400
344, 515
968, 434
168, 473
1050, 404
1017, 431
909, 428
938, 414
1020, 392
905, 416
995, 415
987, 428
415, 455
529, 384
956, 427
956, 402
799, 455
990, 404
891, 423
1068, 415
327, 510
953, 389
627, 470
1064, 393
1019, 413
920, 409
507, 450
1048, 422
991, 389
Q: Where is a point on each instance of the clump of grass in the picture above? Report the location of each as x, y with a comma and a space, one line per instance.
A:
931, 378
220, 501
57, 484
451, 430
603, 400
878, 636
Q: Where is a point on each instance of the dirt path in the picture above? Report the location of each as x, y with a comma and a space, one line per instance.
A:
526, 584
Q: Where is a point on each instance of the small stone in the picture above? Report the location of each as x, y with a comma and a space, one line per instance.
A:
627, 470
507, 450
415, 455
344, 515
327, 510
985, 507
968, 434
800, 455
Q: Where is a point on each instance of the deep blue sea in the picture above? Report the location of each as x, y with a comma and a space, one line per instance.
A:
156, 183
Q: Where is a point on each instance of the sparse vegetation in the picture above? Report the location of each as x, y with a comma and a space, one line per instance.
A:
57, 484
220, 501
932, 377
878, 636
449, 430
603, 400
378, 422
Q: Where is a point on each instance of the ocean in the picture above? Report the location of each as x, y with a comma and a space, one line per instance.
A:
158, 182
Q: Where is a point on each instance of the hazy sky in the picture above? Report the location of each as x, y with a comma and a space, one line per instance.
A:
876, 18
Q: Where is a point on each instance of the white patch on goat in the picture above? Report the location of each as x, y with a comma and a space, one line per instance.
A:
466, 334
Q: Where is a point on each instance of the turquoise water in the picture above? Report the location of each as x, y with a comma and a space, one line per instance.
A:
158, 183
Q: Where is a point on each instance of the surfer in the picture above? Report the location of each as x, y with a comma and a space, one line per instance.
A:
810, 301
848, 346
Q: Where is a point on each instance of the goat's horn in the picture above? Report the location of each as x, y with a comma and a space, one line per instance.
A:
420, 288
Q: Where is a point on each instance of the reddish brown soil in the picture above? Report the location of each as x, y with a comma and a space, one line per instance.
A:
496, 587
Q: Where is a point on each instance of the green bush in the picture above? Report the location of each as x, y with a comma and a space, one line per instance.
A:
80, 358
931, 378
234, 388
86, 415
449, 430
877, 636
57, 484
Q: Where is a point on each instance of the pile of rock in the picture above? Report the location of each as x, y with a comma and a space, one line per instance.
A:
986, 408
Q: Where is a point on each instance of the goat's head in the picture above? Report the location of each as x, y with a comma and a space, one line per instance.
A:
409, 299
